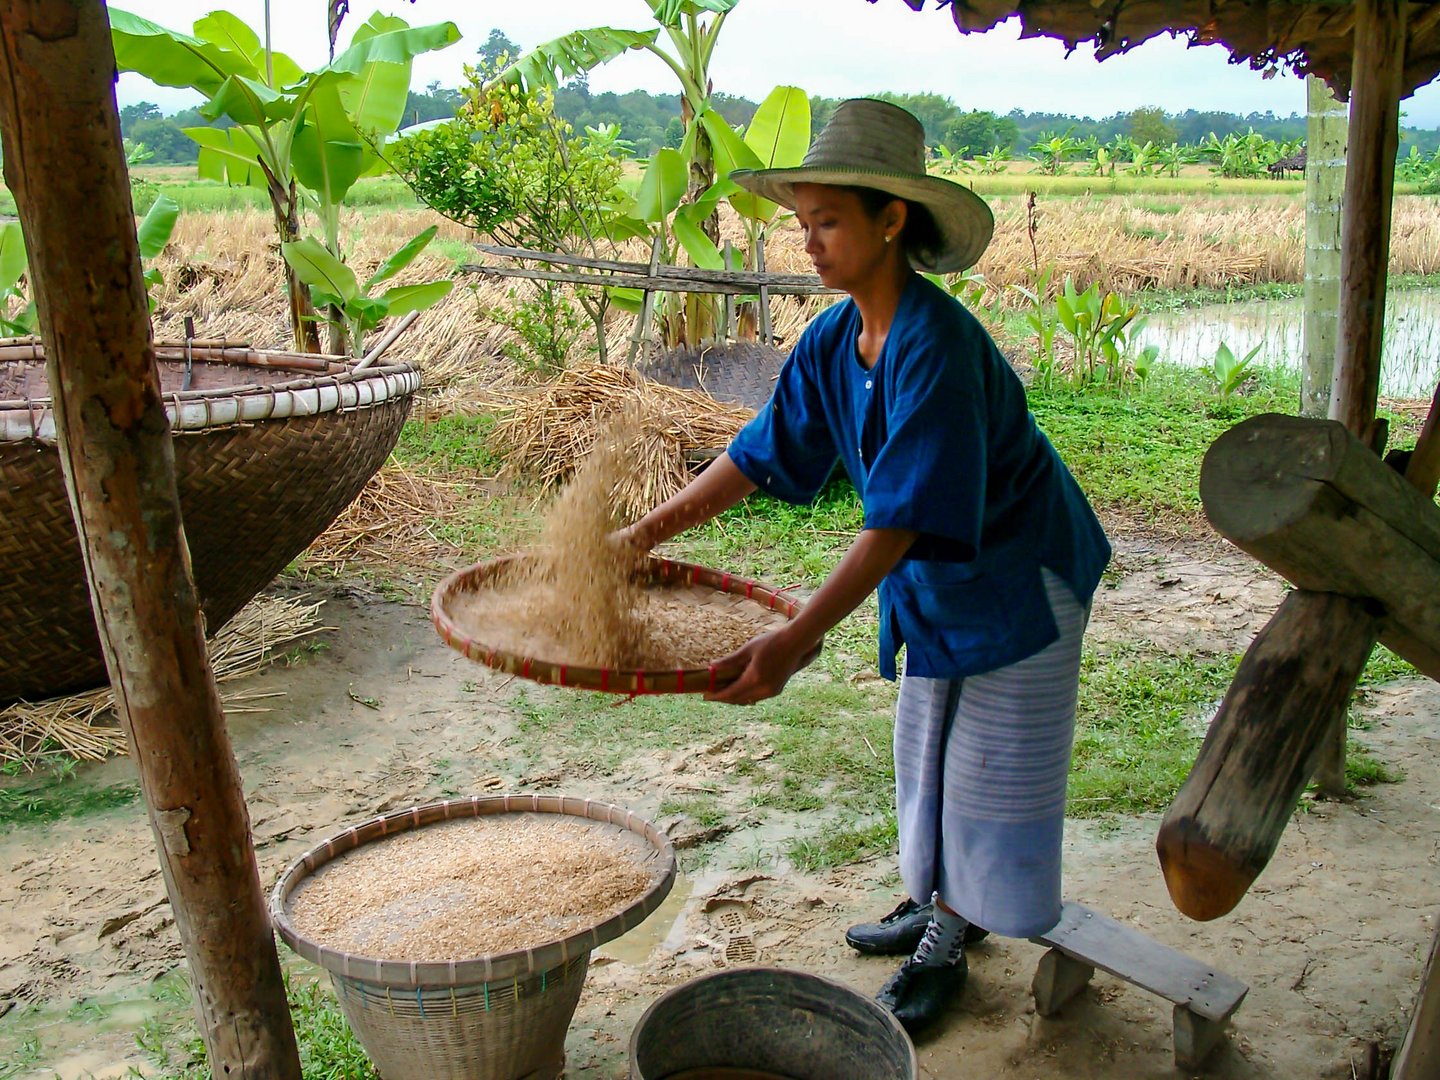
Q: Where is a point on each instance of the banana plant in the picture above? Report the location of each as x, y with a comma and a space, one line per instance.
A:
1052, 150
13, 265
293, 129
335, 287
691, 39
155, 230
995, 162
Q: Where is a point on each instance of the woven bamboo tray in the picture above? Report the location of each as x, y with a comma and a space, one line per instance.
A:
630, 681
269, 448
498, 1017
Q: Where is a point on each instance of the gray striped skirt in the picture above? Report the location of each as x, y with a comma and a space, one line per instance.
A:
980, 770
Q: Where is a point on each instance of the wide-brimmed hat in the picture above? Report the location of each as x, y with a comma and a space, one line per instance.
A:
873, 144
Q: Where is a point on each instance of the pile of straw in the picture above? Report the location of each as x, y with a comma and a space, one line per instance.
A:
546, 431
84, 725
390, 522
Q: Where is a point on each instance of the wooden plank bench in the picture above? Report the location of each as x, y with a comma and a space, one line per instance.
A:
1083, 940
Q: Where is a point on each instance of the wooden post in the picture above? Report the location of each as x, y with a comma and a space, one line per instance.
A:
1324, 182
64, 162
1369, 192
1419, 1056
642, 335
1365, 252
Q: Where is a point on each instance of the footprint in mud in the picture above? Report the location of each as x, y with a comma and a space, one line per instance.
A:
739, 944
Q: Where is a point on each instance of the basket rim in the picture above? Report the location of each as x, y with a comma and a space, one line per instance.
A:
313, 383
633, 682
886, 1017
495, 967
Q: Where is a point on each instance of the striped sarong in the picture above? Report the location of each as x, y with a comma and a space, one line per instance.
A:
980, 770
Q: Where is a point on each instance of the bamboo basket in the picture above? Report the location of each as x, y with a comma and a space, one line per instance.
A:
269, 448
633, 682
498, 1017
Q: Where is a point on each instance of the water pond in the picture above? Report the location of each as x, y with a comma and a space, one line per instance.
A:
1409, 368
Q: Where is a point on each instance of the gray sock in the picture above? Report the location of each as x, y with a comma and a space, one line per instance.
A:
944, 942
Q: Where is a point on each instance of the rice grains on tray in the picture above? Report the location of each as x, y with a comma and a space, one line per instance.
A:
580, 599
472, 887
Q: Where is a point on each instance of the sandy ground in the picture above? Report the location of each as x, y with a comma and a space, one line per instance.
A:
1331, 939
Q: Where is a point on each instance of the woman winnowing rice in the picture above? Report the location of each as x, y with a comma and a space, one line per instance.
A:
983, 548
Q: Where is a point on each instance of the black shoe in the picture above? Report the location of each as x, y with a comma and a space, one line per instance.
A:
898, 933
918, 993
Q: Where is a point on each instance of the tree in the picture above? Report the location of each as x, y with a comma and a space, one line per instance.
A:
980, 131
496, 45
145, 110
1149, 125
163, 137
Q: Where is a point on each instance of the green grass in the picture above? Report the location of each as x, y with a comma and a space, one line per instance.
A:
58, 794
328, 1049
1139, 724
453, 444
1137, 451
1016, 183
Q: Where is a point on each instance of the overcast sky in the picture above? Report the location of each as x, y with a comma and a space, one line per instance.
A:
836, 48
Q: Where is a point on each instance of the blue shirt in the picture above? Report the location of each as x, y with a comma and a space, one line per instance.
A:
937, 438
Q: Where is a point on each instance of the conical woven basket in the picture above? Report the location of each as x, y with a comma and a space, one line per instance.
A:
269, 448
497, 1017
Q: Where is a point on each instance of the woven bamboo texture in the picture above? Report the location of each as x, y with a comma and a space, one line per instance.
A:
633, 682
269, 449
499, 1017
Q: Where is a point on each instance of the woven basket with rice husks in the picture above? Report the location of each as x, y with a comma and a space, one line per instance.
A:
269, 448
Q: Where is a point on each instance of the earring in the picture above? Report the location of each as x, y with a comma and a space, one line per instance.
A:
888, 239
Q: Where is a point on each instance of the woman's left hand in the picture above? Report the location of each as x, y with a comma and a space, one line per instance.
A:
764, 664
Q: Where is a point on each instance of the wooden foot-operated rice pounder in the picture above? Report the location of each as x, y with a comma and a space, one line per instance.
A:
269, 448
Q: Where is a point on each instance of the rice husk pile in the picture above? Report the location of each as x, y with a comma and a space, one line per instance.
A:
580, 599
544, 431
469, 888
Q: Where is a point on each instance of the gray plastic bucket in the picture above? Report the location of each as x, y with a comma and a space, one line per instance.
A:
770, 1021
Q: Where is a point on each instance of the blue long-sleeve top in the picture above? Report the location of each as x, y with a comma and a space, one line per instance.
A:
936, 438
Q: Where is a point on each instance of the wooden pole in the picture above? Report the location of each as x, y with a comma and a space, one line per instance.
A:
1324, 183
64, 162
1419, 1056
1374, 136
1369, 192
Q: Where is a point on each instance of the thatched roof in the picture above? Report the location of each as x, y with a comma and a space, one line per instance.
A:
1314, 37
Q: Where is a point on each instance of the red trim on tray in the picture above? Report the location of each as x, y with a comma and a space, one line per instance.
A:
563, 676
605, 678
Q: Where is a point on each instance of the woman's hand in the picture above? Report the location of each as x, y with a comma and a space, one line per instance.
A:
764, 665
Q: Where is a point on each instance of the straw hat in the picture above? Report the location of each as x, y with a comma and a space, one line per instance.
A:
874, 144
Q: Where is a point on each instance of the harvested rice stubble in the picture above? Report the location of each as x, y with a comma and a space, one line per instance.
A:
464, 889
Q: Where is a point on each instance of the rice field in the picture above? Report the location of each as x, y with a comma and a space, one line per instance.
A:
222, 266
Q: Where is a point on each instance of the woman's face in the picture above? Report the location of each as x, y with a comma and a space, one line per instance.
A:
846, 244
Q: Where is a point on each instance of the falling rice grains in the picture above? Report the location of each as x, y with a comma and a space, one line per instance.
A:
469, 888
581, 599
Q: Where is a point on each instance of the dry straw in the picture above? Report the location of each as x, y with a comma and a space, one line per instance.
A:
392, 522
83, 725
546, 431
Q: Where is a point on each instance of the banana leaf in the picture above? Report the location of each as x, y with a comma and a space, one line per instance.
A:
552, 62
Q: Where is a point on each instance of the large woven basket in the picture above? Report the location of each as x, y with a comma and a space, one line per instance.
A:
269, 448
499, 1017
633, 682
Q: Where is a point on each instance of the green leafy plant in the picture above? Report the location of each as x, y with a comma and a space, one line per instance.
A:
156, 228
1100, 325
995, 162
1041, 317
17, 310
1052, 150
293, 130
336, 288
1229, 372
508, 166
953, 161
